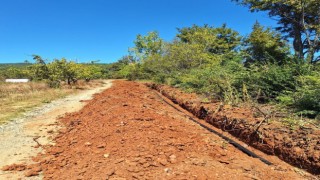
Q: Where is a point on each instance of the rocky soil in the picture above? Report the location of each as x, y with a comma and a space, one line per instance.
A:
128, 132
299, 146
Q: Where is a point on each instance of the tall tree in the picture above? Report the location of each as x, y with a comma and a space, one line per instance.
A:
63, 70
264, 45
297, 19
38, 59
147, 45
214, 40
39, 70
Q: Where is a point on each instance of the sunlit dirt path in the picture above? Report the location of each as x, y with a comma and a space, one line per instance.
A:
24, 137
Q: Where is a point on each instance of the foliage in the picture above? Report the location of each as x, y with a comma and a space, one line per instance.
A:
13, 72
39, 70
265, 83
219, 63
88, 72
53, 72
297, 19
216, 62
215, 82
17, 98
62, 70
265, 46
219, 40
116, 70
306, 98
195, 47
147, 45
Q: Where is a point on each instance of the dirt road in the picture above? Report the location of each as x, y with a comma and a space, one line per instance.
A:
19, 138
128, 132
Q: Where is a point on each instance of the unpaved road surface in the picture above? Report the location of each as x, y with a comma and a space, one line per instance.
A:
128, 132
24, 137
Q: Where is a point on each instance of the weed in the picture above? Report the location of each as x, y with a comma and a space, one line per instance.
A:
293, 121
17, 98
205, 100
46, 101
224, 145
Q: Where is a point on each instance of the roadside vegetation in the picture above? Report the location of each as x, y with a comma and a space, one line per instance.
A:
49, 81
277, 67
53, 73
18, 98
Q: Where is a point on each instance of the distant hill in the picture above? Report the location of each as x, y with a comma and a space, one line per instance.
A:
22, 65
17, 65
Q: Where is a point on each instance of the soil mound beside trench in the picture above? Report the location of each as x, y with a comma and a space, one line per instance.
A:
128, 132
299, 147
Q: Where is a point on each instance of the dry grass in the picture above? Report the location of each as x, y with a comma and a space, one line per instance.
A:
17, 98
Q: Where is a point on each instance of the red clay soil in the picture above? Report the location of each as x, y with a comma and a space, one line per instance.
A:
299, 146
128, 132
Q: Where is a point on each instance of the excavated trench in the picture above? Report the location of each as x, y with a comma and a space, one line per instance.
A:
128, 132
299, 147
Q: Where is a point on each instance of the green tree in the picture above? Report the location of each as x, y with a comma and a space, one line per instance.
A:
297, 19
265, 46
219, 40
62, 70
14, 72
194, 47
88, 72
147, 45
184, 56
38, 59
39, 70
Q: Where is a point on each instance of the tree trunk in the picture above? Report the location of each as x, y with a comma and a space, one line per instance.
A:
297, 43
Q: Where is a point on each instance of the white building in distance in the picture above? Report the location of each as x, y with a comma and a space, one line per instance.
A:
17, 80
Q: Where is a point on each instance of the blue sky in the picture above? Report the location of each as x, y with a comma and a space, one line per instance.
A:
105, 29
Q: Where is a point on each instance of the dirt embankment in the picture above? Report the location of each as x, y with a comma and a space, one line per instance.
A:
128, 132
299, 147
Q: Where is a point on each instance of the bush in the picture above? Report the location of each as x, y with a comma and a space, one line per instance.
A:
266, 82
53, 83
211, 61
306, 99
133, 72
215, 81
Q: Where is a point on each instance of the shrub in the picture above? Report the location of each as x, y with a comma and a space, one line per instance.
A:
307, 97
266, 82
